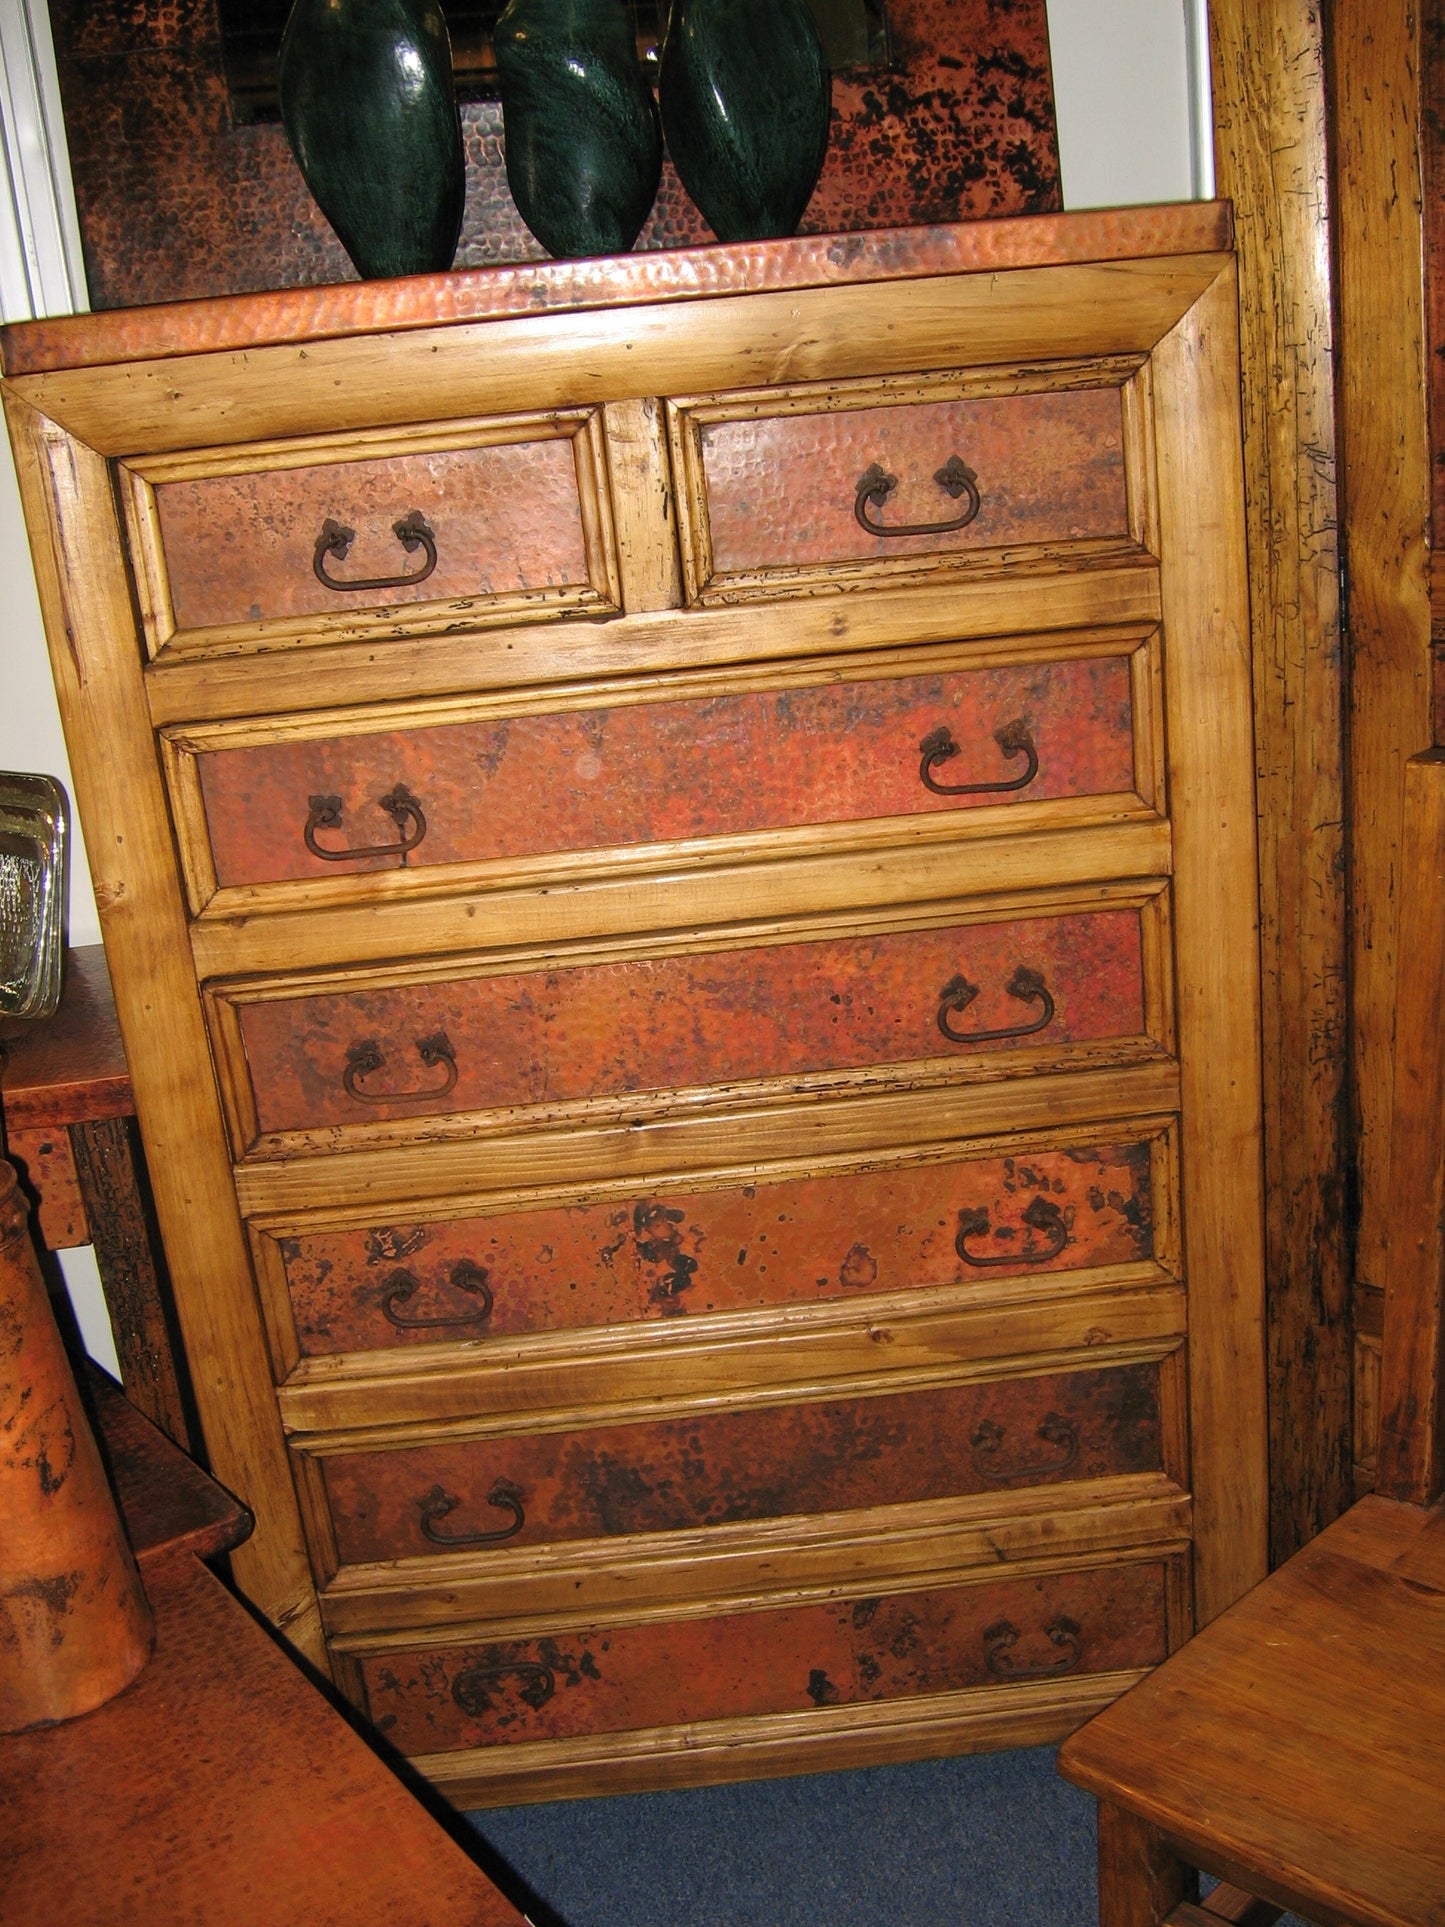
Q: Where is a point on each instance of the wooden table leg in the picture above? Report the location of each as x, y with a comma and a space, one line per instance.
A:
111, 1171
1141, 1879
1234, 1905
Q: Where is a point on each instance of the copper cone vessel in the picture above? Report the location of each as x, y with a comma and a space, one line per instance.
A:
75, 1626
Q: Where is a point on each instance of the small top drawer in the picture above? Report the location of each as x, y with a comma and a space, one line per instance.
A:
314, 540
840, 485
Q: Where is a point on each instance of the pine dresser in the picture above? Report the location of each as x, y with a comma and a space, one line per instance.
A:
675, 839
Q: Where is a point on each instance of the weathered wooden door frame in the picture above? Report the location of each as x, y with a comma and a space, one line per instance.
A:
1378, 87
1268, 61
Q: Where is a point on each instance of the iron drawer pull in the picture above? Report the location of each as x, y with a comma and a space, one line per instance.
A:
1025, 984
412, 531
1000, 1639
469, 1688
437, 1504
988, 1440
1042, 1216
938, 747
955, 478
366, 1058
400, 805
404, 1285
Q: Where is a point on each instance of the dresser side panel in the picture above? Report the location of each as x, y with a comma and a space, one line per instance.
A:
96, 661
1211, 780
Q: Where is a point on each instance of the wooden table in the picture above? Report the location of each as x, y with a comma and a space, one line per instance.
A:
71, 1131
221, 1787
1295, 1747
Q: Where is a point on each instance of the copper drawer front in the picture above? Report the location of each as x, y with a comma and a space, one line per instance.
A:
667, 1254
446, 518
785, 494
718, 1469
593, 779
731, 1665
676, 1022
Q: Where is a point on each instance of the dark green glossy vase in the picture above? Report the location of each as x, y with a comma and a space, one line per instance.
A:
584, 150
745, 102
370, 111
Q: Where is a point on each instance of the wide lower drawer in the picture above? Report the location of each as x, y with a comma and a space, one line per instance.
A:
451, 783
710, 1469
730, 1665
684, 1253
306, 1055
274, 542
786, 490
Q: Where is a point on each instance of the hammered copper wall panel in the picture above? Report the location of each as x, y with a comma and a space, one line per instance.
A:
718, 1469
733, 1664
775, 759
668, 1253
176, 201
676, 1023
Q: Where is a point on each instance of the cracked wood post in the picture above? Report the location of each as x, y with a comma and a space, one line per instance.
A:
1272, 161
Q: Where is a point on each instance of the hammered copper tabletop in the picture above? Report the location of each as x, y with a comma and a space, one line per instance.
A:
220, 1787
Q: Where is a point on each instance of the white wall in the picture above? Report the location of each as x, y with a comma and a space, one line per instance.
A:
1131, 93
40, 274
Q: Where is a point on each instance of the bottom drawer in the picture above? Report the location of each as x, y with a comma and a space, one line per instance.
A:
740, 1665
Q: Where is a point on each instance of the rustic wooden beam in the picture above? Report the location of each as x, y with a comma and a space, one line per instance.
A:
1271, 160
1411, 1462
1376, 102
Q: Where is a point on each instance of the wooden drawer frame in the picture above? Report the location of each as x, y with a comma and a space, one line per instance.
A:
499, 1583
861, 1734
410, 1497
1150, 899
182, 745
138, 480
979, 1720
490, 1373
689, 416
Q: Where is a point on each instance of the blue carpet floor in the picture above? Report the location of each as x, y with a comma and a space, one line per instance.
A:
991, 1840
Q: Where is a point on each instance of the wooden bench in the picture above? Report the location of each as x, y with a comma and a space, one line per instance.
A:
1295, 1748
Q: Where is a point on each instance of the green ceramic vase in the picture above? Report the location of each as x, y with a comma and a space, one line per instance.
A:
583, 146
370, 111
745, 101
